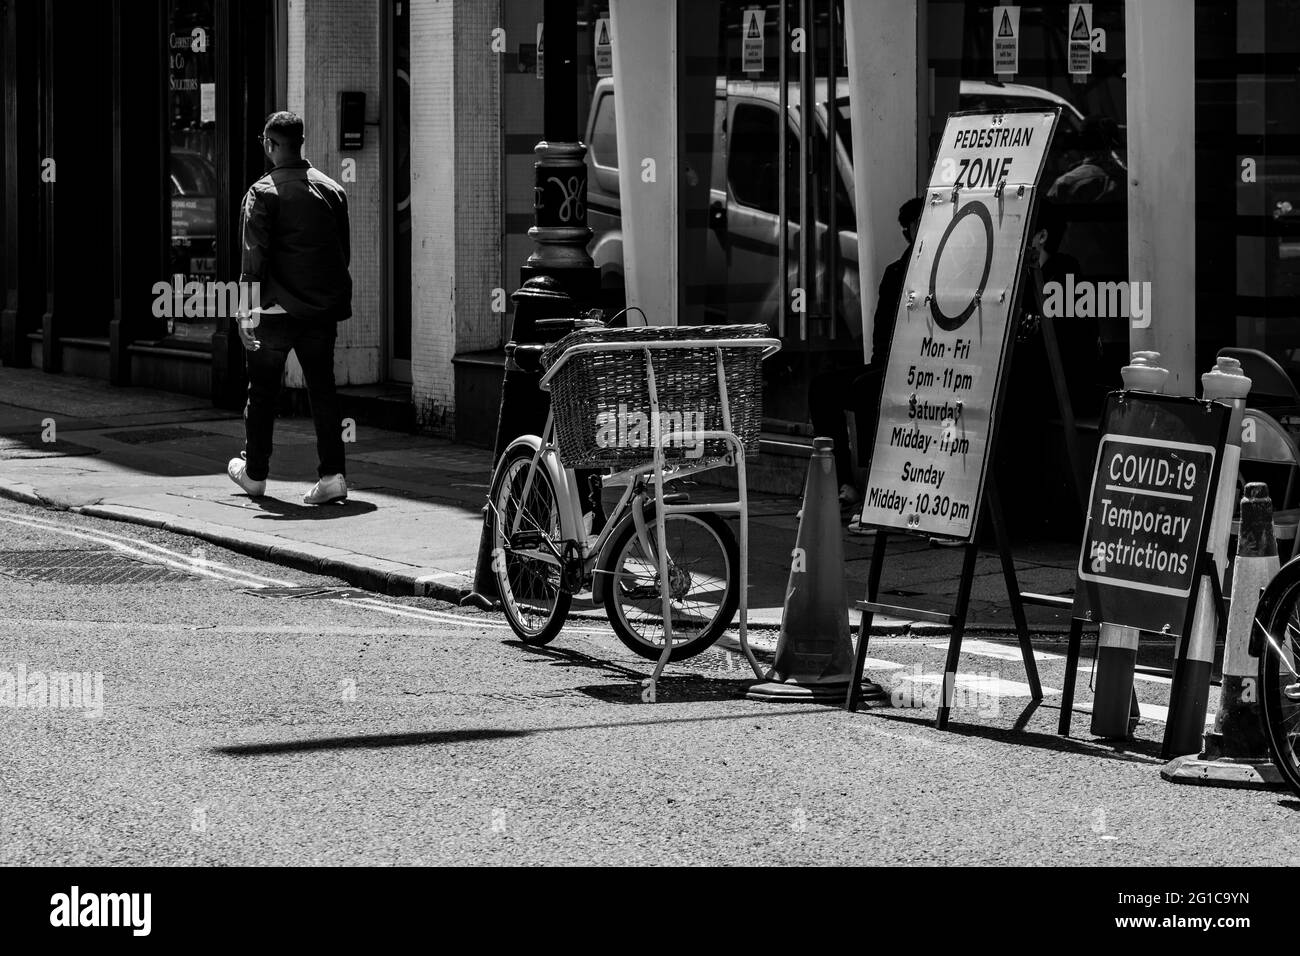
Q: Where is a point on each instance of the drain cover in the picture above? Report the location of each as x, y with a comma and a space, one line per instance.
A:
150, 436
84, 567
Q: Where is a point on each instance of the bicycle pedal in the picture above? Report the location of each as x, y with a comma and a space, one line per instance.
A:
525, 540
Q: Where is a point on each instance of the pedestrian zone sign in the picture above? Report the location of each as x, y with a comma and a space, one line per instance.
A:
1080, 55
952, 331
752, 41
1006, 40
604, 49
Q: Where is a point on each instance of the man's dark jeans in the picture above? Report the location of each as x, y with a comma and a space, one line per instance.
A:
830, 395
313, 342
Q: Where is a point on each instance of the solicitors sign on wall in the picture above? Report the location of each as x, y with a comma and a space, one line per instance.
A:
954, 323
1156, 473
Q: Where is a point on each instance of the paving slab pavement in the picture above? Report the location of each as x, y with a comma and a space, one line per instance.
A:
411, 524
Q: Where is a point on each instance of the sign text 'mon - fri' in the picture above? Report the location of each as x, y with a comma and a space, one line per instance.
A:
951, 334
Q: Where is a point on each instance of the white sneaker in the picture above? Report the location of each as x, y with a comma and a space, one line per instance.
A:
857, 528
328, 490
237, 469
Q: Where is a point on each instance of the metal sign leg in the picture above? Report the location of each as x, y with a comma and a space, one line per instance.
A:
958, 628
1071, 673
864, 625
1013, 590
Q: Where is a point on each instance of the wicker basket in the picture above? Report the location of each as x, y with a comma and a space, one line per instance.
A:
601, 400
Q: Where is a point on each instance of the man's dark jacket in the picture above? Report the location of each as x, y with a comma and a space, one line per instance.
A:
890, 292
294, 225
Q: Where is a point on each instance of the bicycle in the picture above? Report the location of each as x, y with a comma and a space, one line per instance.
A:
670, 574
1274, 640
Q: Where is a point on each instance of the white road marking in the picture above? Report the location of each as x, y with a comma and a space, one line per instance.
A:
1002, 652
449, 617
876, 664
1153, 712
983, 684
158, 554
181, 563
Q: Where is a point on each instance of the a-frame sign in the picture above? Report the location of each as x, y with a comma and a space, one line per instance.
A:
944, 382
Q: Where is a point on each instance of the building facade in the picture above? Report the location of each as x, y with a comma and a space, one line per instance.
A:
125, 160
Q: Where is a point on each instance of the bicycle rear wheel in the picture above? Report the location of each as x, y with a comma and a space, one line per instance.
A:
527, 562
1279, 671
704, 584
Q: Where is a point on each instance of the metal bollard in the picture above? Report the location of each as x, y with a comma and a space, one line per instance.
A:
1117, 646
523, 408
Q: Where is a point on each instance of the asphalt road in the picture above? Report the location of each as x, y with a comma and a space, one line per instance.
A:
346, 728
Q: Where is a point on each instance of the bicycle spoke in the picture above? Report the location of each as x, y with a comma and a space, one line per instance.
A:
697, 569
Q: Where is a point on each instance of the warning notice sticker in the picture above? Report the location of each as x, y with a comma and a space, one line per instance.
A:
604, 49
1006, 40
1080, 56
751, 31
952, 329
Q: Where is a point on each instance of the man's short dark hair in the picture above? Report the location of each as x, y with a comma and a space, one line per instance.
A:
288, 126
910, 211
1052, 218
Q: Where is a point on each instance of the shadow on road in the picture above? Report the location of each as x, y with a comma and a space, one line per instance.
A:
435, 738
370, 741
671, 688
1133, 751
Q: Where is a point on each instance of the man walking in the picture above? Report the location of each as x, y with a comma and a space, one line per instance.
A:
296, 247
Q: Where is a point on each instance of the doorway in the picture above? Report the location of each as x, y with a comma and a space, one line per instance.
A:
397, 124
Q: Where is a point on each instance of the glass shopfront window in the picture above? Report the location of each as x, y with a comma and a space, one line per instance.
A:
1248, 269
1085, 174
734, 208
192, 178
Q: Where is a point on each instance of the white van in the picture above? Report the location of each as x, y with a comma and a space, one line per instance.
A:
743, 221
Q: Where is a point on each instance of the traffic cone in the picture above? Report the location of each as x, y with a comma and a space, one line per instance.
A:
1188, 706
1235, 752
814, 654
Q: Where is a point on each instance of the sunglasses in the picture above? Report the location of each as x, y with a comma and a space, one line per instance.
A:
266, 140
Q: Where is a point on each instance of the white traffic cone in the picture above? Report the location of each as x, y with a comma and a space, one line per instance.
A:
1235, 752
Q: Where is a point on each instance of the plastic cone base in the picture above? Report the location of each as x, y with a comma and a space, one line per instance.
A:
833, 692
1240, 774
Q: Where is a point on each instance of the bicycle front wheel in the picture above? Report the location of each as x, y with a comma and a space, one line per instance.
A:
526, 558
1278, 615
703, 584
